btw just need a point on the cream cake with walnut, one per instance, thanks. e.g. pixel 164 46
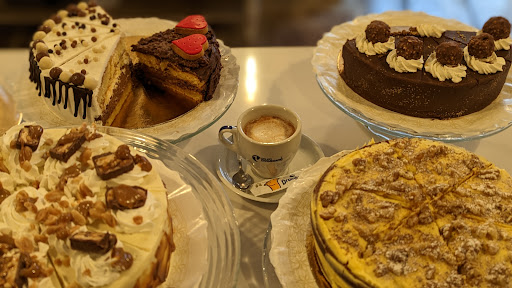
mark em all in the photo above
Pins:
pixel 412 213
pixel 80 209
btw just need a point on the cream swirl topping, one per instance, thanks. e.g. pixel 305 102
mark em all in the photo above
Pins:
pixel 502 44
pixel 443 72
pixel 489 65
pixel 430 30
pixel 20 223
pixel 41 283
pixel 7 181
pixel 53 168
pixel 369 48
pixel 30 174
pixel 136 177
pixel 151 210
pixel 402 65
pixel 101 271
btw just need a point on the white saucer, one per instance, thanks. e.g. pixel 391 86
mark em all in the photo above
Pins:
pixel 309 152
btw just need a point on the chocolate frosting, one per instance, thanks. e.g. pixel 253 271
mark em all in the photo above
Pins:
pixel 419 94
pixel 159 46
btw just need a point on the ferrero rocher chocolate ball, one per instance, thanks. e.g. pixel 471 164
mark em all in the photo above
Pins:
pixel 498 27
pixel 377 31
pixel 449 53
pixel 409 47
pixel 481 46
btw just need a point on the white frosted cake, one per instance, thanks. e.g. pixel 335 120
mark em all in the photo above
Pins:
pixel 80 209
pixel 76 54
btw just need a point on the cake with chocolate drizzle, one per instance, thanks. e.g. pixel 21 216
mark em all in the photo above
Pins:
pixel 81 62
pixel 427 71
pixel 411 213
pixel 79 208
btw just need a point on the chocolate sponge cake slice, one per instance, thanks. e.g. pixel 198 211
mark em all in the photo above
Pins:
pixel 157 65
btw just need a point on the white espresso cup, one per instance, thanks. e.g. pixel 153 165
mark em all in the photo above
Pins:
pixel 276 134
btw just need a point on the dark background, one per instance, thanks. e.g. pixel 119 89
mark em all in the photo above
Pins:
pixel 242 23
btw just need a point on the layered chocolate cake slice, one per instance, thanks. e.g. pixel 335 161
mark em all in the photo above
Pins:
pixel 183 62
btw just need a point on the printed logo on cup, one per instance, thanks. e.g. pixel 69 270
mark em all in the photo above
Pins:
pixel 257 158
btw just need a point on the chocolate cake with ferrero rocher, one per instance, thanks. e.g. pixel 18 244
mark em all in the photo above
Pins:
pixel 428 71
pixel 412 212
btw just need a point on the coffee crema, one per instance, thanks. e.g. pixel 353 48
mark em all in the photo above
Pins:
pixel 269 129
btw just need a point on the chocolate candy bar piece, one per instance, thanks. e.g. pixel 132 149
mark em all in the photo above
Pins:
pixel 93 242
pixel 125 197
pixel 29 268
pixel 143 162
pixel 29 136
pixel 67 146
pixel 109 166
pixel 122 260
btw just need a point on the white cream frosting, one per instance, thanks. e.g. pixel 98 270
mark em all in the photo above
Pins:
pixel 151 210
pixel 101 271
pixel 98 61
pixel 7 181
pixel 19 223
pixel 41 283
pixel 136 177
pixel 430 30
pixel 11 158
pixel 369 48
pixel 402 65
pixel 72 41
pixel 489 65
pixel 502 44
pixel 443 72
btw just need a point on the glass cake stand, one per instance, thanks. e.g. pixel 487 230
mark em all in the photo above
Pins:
pixel 388 124
pixel 201 117
pixel 223 251
pixel 270 278
pixel 9 116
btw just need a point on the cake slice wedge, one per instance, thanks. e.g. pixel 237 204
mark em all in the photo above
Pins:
pixel 158 65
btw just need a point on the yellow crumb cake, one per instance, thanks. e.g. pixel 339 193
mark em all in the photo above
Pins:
pixel 412 213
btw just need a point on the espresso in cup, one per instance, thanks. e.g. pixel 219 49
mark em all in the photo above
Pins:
pixel 269 129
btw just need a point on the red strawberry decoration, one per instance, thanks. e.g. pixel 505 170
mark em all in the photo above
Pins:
pixel 191 47
pixel 193 24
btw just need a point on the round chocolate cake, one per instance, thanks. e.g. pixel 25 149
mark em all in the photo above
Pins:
pixel 419 93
